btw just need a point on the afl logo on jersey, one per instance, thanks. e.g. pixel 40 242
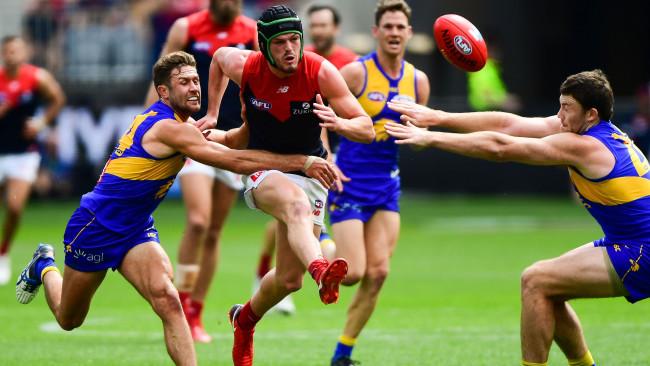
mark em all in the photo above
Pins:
pixel 403 98
pixel 260 104
pixel 376 96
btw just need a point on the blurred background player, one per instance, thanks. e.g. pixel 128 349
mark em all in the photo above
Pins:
pixel 324 23
pixel 23 88
pixel 365 215
pixel 208 192
pixel 284 112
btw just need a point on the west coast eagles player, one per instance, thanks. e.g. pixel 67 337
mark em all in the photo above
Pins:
pixel 364 216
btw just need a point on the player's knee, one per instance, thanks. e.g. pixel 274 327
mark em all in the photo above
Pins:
pixel 164 299
pixel 197 224
pixel 297 209
pixel 353 277
pixel 377 275
pixel 290 282
pixel 532 279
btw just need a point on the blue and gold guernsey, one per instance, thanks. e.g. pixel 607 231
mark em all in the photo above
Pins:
pixel 116 215
pixel 373 168
pixel 620 203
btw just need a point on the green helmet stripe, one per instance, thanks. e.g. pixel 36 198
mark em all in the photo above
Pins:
pixel 282 20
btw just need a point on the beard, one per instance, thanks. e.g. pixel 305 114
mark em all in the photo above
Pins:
pixel 180 105
pixel 224 12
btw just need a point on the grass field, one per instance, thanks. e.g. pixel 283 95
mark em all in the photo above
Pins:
pixel 452 297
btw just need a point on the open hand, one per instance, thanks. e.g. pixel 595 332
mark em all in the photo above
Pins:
pixel 205 123
pixel 329 119
pixel 417 114
pixel 408 134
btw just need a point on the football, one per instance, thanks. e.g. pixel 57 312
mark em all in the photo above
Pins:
pixel 460 42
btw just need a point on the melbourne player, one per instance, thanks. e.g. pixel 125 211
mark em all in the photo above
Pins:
pixel 201 34
pixel 113 227
pixel 324 21
pixel 611 177
pixel 22 87
pixel 281 90
pixel 365 215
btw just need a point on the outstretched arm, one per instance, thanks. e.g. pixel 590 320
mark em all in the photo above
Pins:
pixel 508 123
pixel 585 153
pixel 346 116
pixel 188 140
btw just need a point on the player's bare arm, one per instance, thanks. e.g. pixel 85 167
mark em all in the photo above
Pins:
pixel 170 136
pixel 176 41
pixel 503 122
pixel 423 87
pixel 52 92
pixel 227 63
pixel 346 116
pixel 585 153
pixel 236 138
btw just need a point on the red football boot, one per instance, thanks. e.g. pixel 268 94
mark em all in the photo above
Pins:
pixel 242 348
pixel 330 279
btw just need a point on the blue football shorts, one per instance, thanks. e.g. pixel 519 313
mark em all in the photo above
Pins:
pixel 91 247
pixel 358 202
pixel 631 262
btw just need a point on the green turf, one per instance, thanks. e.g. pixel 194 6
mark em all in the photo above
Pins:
pixel 452 297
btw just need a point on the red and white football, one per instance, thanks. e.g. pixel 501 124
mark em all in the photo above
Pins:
pixel 460 42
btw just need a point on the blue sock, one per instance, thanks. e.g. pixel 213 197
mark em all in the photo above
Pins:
pixel 41 264
pixel 344 347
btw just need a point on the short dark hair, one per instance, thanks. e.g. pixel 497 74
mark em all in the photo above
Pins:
pixel 318 7
pixel 384 6
pixel 9 38
pixel 592 90
pixel 165 64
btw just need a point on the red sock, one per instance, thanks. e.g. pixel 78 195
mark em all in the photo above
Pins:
pixel 196 308
pixel 4 248
pixel 264 266
pixel 317 267
pixel 247 318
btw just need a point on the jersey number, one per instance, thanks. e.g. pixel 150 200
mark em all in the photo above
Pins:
pixel 638 160
pixel 127 139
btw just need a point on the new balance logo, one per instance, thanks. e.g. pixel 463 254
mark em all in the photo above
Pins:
pixel 283 89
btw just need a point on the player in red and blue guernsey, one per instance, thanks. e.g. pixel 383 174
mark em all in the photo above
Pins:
pixel 201 34
pixel 113 227
pixel 609 173
pixel 284 112
pixel 23 88
pixel 323 28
